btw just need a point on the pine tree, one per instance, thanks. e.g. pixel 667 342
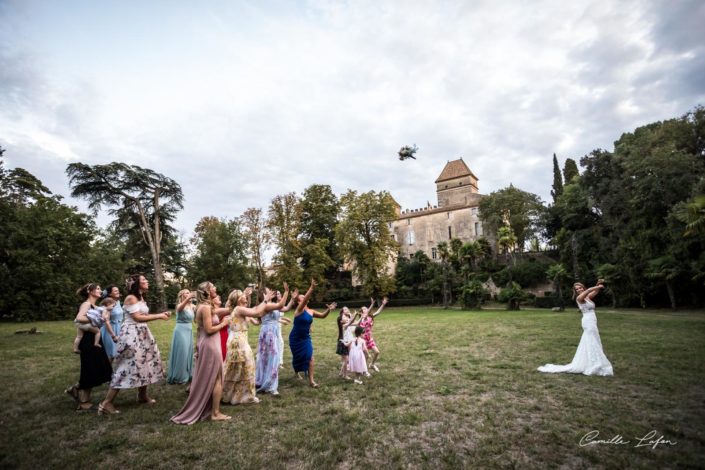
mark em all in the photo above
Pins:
pixel 570 170
pixel 557 180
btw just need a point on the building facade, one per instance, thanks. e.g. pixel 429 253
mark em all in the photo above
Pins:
pixel 456 214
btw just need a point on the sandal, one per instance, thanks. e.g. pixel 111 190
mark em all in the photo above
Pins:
pixel 72 391
pixel 147 401
pixel 102 409
pixel 81 409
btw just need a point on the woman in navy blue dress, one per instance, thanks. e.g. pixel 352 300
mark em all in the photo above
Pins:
pixel 300 336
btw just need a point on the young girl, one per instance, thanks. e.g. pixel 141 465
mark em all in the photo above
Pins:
pixel 98 317
pixel 346 327
pixel 357 361
pixel 367 322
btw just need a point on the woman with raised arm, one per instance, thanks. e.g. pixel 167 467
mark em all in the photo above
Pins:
pixel 300 336
pixel 269 351
pixel 206 389
pixel 239 367
pixel 367 321
pixel 181 352
pixel 589 359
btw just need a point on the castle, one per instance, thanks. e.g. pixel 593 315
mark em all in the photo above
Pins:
pixel 455 216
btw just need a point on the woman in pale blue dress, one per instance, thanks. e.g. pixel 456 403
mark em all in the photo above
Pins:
pixel 116 317
pixel 269 350
pixel 181 352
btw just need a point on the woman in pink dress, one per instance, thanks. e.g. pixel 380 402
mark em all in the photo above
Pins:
pixel 206 388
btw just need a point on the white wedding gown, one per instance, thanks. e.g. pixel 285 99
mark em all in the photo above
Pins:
pixel 589 358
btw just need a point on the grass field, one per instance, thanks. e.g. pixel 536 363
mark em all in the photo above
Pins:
pixel 456 389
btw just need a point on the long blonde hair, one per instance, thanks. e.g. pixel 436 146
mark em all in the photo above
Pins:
pixel 203 293
pixel 233 298
pixel 180 295
pixel 575 294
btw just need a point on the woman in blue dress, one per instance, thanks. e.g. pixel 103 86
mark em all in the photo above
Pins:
pixel 181 352
pixel 300 336
pixel 116 317
pixel 269 350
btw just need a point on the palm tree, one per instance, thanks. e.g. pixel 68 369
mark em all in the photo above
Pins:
pixel 506 240
pixel 667 269
pixel 444 255
pixel 693 215
pixel 558 274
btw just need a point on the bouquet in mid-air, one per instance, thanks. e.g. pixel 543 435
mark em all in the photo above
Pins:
pixel 407 152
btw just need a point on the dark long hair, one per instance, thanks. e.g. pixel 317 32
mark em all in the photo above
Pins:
pixel 133 286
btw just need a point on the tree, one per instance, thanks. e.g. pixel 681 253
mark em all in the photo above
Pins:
pixel 558 275
pixel 513 295
pixel 120 186
pixel 220 254
pixel 557 180
pixel 473 295
pixel 319 218
pixel 258 239
pixel 365 238
pixel 522 210
pixel 284 226
pixel 444 254
pixel 507 241
pixel 667 269
pixel 570 170
pixel 692 213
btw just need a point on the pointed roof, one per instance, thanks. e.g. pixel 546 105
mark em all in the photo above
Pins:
pixel 455 169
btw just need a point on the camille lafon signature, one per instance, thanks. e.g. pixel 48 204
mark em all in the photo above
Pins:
pixel 650 439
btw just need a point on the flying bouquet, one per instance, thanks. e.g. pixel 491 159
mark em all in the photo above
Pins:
pixel 407 152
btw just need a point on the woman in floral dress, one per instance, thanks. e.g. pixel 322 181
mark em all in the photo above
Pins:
pixel 138 363
pixel 239 367
pixel 269 350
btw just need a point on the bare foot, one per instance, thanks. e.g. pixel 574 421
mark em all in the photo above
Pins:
pixel 98 345
pixel 313 384
pixel 299 376
pixel 77 351
pixel 147 400
pixel 220 417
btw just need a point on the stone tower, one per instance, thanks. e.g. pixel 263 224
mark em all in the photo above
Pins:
pixel 456 185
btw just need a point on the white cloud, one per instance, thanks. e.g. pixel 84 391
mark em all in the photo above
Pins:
pixel 240 101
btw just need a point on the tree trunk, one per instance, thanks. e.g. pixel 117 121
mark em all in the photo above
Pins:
pixel 671 294
pixel 154 249
pixel 574 252
pixel 561 303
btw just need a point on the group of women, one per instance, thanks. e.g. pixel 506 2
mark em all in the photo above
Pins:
pixel 227 375
pixel 230 375
pixel 136 362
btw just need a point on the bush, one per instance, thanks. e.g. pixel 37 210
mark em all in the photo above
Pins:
pixel 473 295
pixel 513 296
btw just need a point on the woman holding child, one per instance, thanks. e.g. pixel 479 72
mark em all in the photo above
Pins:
pixel 95 365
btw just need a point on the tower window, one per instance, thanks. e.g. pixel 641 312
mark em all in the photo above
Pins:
pixel 449 234
pixel 434 253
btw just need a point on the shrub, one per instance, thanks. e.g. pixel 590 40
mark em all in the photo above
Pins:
pixel 473 295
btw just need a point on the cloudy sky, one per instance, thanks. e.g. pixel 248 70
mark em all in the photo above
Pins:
pixel 242 100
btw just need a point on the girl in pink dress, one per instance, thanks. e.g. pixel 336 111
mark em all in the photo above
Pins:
pixel 357 362
pixel 367 321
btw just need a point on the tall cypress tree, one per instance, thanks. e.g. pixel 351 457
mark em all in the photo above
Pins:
pixel 557 180
pixel 570 170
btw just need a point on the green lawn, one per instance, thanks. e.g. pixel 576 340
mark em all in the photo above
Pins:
pixel 456 389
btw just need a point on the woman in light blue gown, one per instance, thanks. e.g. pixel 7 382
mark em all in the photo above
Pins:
pixel 181 352
pixel 269 350
pixel 116 317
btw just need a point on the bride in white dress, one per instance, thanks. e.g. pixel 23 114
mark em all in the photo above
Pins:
pixel 589 358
